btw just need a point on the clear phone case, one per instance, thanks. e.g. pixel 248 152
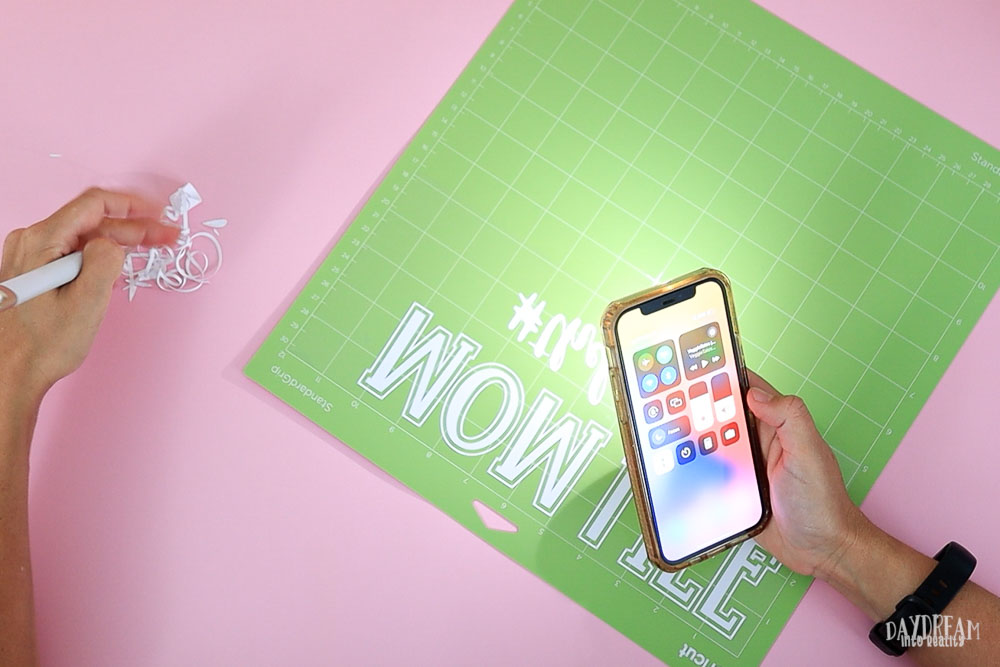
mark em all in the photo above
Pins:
pixel 636 472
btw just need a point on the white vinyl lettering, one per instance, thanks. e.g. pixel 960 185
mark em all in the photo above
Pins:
pixel 409 352
pixel 610 507
pixel 454 415
pixel 635 561
pixel 560 446
pixel 679 587
pixel 746 563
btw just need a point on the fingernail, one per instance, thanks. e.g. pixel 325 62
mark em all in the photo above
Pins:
pixel 760 395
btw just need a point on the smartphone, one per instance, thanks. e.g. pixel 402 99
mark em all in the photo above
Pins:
pixel 679 384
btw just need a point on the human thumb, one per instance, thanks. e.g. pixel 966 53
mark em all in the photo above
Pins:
pixel 787 414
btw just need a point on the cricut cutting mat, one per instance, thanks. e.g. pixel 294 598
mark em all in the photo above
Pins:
pixel 593 149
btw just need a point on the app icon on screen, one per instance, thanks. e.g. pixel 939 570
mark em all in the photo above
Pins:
pixel 653 412
pixel 730 433
pixel 707 444
pixel 685 452
pixel 664 354
pixel 701 350
pixel 676 402
pixel 645 363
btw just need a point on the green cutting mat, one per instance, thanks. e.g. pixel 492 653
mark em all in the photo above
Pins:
pixel 592 149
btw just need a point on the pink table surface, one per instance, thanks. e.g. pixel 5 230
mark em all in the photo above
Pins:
pixel 179 514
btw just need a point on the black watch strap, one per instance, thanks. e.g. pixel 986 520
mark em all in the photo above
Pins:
pixel 955 566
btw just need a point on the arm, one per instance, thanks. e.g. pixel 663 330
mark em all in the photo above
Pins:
pixel 864 576
pixel 40 342
pixel 17 421
pixel 817 530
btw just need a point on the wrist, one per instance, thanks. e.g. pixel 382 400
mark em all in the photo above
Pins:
pixel 21 391
pixel 855 539
pixel 874 570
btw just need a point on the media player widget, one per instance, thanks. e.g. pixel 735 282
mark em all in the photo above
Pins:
pixel 701 351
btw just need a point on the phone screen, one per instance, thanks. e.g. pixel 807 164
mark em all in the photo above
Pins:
pixel 683 387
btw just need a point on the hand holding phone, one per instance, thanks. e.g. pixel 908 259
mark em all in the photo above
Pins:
pixel 814 521
pixel 679 382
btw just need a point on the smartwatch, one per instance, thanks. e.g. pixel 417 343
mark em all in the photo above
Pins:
pixel 955 566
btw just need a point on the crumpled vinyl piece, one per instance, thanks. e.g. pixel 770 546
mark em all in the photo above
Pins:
pixel 184 266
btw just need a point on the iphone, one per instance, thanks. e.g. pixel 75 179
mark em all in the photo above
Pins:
pixel 679 384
